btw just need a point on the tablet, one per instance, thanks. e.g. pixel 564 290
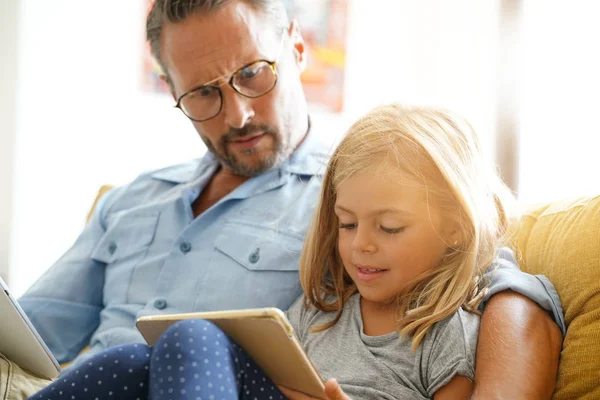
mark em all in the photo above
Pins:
pixel 20 342
pixel 264 333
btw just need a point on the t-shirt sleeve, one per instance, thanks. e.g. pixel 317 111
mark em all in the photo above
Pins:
pixel 449 350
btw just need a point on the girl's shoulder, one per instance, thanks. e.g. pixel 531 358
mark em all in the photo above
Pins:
pixel 459 331
pixel 462 318
pixel 302 315
pixel 460 323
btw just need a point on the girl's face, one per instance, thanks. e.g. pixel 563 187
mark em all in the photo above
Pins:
pixel 388 234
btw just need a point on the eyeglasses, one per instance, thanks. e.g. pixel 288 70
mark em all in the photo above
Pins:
pixel 252 80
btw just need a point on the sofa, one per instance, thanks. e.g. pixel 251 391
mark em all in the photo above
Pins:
pixel 561 240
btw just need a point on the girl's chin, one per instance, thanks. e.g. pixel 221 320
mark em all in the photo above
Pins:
pixel 377 299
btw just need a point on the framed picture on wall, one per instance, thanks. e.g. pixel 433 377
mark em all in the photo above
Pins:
pixel 323 24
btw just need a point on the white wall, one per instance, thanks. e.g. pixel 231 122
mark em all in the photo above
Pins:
pixel 82 121
pixel 560 133
pixel 9 11
pixel 432 52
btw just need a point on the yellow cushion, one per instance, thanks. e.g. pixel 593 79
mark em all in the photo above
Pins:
pixel 562 241
pixel 101 192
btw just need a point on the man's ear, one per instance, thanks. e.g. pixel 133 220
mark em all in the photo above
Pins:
pixel 298 43
pixel 164 78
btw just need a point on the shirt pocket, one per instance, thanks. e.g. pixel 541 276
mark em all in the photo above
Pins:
pixel 257 247
pixel 257 264
pixel 123 246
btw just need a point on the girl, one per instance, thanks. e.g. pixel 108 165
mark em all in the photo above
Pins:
pixel 410 216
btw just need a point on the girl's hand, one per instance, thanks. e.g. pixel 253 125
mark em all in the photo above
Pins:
pixel 333 391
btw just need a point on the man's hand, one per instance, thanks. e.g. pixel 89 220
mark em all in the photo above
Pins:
pixel 518 350
pixel 333 391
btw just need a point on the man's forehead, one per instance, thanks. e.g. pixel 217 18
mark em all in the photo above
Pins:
pixel 205 47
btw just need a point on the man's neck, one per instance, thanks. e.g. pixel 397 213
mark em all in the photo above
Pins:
pixel 223 182
pixel 306 132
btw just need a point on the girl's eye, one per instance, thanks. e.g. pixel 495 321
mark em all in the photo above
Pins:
pixel 347 226
pixel 391 231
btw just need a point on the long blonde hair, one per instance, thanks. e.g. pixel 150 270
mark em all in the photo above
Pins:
pixel 441 152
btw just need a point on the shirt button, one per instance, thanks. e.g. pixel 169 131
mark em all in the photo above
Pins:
pixel 112 247
pixel 254 257
pixel 160 304
pixel 185 247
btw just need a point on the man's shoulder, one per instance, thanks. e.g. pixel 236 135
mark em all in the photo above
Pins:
pixel 152 185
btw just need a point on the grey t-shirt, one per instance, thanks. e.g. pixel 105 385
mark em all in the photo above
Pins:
pixel 385 367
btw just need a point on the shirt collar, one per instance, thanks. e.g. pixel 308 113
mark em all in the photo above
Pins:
pixel 310 158
pixel 183 173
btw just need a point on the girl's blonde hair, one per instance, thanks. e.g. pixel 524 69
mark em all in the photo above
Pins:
pixel 439 151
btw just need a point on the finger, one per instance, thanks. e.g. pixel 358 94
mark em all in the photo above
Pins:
pixel 334 390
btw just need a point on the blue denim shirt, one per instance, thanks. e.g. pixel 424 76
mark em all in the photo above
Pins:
pixel 144 253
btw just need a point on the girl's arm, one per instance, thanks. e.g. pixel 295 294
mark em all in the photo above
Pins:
pixel 458 388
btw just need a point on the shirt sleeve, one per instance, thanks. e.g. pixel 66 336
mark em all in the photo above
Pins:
pixel 449 350
pixel 64 304
pixel 505 274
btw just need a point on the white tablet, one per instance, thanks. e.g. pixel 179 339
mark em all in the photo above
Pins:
pixel 20 342
pixel 264 333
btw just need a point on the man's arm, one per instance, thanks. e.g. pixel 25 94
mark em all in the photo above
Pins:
pixel 518 350
pixel 64 305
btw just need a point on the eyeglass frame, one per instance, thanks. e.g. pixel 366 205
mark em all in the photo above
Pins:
pixel 272 65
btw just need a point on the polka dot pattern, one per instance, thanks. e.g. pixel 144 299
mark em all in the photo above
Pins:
pixel 193 359
pixel 116 373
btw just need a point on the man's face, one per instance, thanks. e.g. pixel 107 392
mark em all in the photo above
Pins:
pixel 249 135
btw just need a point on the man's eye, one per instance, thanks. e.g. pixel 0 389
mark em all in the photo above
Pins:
pixel 249 72
pixel 205 91
pixel 347 226
pixel 201 92
pixel 391 231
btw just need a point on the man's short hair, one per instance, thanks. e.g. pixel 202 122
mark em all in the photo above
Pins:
pixel 173 11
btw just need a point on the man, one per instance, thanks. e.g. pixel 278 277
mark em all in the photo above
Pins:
pixel 225 231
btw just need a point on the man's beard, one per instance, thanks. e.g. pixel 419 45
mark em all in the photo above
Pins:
pixel 281 150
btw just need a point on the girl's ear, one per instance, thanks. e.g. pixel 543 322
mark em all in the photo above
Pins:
pixel 453 237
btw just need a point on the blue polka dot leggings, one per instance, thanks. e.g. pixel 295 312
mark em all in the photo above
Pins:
pixel 193 359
